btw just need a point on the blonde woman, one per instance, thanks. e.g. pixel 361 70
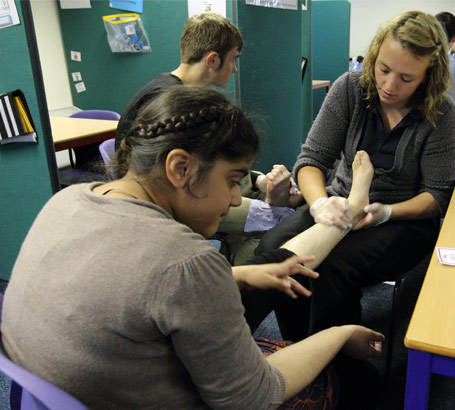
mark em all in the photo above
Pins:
pixel 398 111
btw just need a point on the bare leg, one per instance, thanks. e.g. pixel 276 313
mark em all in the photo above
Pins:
pixel 280 188
pixel 320 239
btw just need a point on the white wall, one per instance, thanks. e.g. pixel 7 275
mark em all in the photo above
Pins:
pixel 53 63
pixel 368 15
pixel 50 46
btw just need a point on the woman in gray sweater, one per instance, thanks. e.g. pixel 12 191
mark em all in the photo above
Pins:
pixel 396 109
pixel 118 298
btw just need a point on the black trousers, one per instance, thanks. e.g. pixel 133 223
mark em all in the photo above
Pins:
pixel 292 318
pixel 359 382
pixel 362 258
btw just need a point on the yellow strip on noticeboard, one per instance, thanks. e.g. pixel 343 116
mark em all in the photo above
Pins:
pixel 132 17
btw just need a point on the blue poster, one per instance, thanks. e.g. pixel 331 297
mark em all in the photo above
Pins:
pixel 129 5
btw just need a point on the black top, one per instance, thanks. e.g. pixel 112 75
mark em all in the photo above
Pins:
pixel 147 93
pixel 381 147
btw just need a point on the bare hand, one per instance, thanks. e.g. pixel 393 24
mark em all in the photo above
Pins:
pixel 275 276
pixel 363 343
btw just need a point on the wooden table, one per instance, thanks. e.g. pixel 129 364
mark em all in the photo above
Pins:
pixel 70 132
pixel 431 332
pixel 320 84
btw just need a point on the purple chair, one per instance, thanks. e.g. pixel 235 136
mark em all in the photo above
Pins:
pixel 107 150
pixel 97 115
pixel 30 392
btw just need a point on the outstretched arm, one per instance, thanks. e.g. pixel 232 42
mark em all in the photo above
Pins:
pixel 301 362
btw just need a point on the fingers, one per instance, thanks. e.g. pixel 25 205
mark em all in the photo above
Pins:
pixel 375 343
pixel 375 350
pixel 363 343
pixel 332 211
pixel 365 222
pixel 377 337
pixel 293 188
pixel 377 214
pixel 290 287
pixel 295 265
pixel 298 288
pixel 276 276
pixel 343 222
pixel 278 174
pixel 377 346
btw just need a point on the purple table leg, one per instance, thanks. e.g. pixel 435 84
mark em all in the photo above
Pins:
pixel 418 380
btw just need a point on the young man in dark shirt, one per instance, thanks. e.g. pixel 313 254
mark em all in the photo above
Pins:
pixel 209 47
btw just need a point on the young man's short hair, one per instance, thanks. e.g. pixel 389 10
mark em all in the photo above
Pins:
pixel 208 32
pixel 447 21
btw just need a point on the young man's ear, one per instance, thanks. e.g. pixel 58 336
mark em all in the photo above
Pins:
pixel 180 165
pixel 212 60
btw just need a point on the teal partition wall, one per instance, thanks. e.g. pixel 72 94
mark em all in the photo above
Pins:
pixel 28 171
pixel 111 79
pixel 307 52
pixel 270 79
pixel 330 31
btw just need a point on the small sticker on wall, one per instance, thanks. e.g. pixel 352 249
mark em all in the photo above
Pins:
pixel 76 76
pixel 80 87
pixel 76 56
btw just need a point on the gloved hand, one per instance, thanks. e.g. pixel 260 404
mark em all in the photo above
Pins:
pixel 376 214
pixel 332 211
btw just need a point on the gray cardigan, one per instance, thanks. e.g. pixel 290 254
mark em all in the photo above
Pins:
pixel 424 160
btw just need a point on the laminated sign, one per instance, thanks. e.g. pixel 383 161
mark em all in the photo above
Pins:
pixel 126 34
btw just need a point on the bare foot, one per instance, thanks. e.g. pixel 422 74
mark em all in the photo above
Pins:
pixel 362 175
pixel 281 189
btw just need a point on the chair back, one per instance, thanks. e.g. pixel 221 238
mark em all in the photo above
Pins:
pixel 107 150
pixel 97 115
pixel 30 392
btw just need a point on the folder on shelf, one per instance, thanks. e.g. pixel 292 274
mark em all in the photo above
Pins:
pixel 6 124
pixel 16 123
pixel 12 115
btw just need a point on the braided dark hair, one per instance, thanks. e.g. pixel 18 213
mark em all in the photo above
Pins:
pixel 197 119
pixel 181 123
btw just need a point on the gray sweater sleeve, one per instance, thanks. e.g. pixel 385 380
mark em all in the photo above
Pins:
pixel 327 135
pixel 437 163
pixel 204 318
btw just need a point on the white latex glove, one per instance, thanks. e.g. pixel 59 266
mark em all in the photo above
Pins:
pixel 376 214
pixel 332 211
